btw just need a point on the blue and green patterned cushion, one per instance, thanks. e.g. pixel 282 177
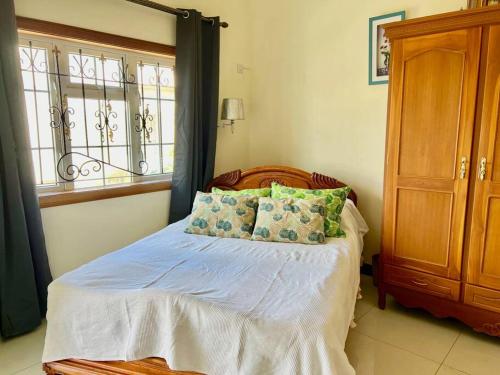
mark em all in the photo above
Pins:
pixel 264 192
pixel 291 220
pixel 335 200
pixel 223 215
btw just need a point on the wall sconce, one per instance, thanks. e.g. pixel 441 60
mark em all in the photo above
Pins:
pixel 232 109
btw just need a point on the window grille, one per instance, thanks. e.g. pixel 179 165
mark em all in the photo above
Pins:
pixel 97 116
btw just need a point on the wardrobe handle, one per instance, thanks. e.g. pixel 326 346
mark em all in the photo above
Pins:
pixel 463 167
pixel 482 169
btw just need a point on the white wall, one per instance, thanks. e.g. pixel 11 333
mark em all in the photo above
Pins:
pixel 312 106
pixel 78 233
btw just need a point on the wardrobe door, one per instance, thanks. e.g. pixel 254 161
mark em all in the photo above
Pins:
pixel 430 127
pixel 484 246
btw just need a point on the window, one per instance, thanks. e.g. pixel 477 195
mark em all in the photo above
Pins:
pixel 97 116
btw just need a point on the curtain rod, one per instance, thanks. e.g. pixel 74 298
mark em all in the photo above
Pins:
pixel 176 11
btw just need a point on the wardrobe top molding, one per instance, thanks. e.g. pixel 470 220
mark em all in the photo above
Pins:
pixel 443 22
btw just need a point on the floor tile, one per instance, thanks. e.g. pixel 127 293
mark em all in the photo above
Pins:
pixel 21 352
pixel 362 308
pixel 476 354
pixel 412 330
pixel 32 370
pixel 371 357
pixel 445 370
pixel 369 290
pixel 369 300
pixel 367 281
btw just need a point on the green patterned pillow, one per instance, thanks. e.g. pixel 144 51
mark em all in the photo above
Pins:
pixel 223 215
pixel 291 220
pixel 335 200
pixel 264 192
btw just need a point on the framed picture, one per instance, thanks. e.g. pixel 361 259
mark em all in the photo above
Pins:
pixel 380 50
pixel 482 3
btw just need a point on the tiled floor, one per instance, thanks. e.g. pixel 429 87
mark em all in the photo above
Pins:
pixel 401 341
pixel 390 342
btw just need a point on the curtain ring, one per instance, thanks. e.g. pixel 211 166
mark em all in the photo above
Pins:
pixel 186 14
pixel 213 22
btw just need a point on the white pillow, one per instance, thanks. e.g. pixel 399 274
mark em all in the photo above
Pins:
pixel 352 221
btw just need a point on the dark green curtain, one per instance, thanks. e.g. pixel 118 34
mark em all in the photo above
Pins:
pixel 196 108
pixel 24 269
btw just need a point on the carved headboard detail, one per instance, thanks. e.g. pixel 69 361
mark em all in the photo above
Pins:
pixel 263 177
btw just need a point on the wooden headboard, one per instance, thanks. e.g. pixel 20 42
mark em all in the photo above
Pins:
pixel 263 177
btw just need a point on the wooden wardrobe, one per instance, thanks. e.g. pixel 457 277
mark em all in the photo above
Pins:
pixel 441 225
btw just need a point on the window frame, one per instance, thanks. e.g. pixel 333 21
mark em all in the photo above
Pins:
pixel 45 32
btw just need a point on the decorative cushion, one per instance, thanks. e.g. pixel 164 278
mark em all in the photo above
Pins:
pixel 223 215
pixel 264 192
pixel 335 200
pixel 290 220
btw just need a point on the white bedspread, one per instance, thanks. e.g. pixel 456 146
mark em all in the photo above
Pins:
pixel 212 305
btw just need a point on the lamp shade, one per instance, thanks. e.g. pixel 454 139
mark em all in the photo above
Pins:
pixel 232 109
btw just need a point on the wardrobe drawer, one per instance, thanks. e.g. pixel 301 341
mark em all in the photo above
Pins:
pixel 422 282
pixel 484 298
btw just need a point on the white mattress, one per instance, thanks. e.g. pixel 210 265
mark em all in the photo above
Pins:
pixel 213 305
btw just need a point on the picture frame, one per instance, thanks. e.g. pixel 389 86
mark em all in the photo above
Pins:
pixel 481 3
pixel 379 47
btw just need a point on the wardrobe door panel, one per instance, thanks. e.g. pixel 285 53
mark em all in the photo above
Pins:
pixel 416 235
pixel 433 93
pixel 484 246
pixel 431 113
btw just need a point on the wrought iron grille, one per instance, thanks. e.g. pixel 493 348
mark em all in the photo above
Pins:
pixel 97 117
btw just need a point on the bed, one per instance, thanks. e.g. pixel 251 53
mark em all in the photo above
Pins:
pixel 211 305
